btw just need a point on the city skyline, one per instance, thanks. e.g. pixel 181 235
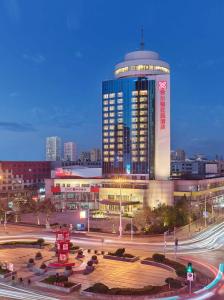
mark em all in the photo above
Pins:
pixel 44 80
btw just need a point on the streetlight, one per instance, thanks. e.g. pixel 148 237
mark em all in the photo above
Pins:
pixel 120 180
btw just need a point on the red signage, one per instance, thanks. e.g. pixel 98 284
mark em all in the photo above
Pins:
pixel 162 90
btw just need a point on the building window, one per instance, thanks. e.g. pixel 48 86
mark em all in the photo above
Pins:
pixel 134 139
pixel 120 107
pixel 143 92
pixel 120 94
pixel 120 152
pixel 105 102
pixel 134 132
pixel 120 126
pixel 105 115
pixel 111 146
pixel 143 119
pixel 134 120
pixel 105 133
pixel 134 159
pixel 120 120
pixel 105 146
pixel 143 139
pixel 112 95
pixel 112 127
pixel 134 93
pixel 111 133
pixel 134 126
pixel 134 100
pixel 134 106
pixel 106 159
pixel 134 112
pixel 112 101
pixel 143 99
pixel 143 112
pixel 105 127
pixel 112 121
pixel 142 152
pixel 142 159
pixel 120 114
pixel 112 140
pixel 105 153
pixel 111 153
pixel 143 132
pixel 120 146
pixel 111 159
pixel 111 108
pixel 142 146
pixel 120 140
pixel 105 96
pixel 120 100
pixel 134 152
pixel 143 106
pixel 105 121
pixel 120 133
pixel 143 125
pixel 105 140
pixel 112 114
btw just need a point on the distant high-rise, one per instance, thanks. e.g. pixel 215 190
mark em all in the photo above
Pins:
pixel 179 154
pixel 85 156
pixel 136 117
pixel 70 151
pixel 53 148
pixel 95 155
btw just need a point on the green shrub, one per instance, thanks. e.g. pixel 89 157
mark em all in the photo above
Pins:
pixel 38 255
pixel 119 252
pixel 98 288
pixel 158 257
pixel 127 255
pixel 94 257
pixel 40 242
pixel 43 266
pixel 128 227
pixel 173 283
pixel 31 261
pixel 90 263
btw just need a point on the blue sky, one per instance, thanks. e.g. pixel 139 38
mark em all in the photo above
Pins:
pixel 54 55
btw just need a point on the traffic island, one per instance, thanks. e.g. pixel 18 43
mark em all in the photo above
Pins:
pixel 120 255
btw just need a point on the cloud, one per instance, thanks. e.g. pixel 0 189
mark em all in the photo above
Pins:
pixel 36 58
pixel 14 94
pixel 13 10
pixel 78 54
pixel 17 127
pixel 58 117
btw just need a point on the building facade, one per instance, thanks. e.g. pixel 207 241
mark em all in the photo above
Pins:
pixel 70 151
pixel 136 118
pixel 53 148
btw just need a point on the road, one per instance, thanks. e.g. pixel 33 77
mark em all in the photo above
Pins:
pixel 204 248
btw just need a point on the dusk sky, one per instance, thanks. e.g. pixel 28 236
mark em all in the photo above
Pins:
pixel 54 55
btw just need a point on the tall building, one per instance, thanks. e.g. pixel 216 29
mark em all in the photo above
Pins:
pixel 70 151
pixel 179 154
pixel 85 156
pixel 95 155
pixel 53 148
pixel 136 117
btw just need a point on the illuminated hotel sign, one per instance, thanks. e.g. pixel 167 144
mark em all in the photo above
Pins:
pixel 162 90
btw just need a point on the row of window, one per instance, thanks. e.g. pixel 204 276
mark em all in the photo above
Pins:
pixel 112 95
pixel 112 114
pixel 112 133
pixel 112 108
pixel 112 101
pixel 139 99
pixel 112 121
pixel 134 159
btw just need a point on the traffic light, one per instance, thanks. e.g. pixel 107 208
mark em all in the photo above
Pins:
pixel 189 268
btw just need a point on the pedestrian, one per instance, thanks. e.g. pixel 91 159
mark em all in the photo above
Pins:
pixel 29 281
pixel 20 280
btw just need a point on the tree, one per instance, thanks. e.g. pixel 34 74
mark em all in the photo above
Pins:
pixel 47 207
pixel 143 218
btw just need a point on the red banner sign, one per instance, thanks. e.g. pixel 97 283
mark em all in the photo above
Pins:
pixel 162 90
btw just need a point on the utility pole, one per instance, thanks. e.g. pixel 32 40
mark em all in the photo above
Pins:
pixel 205 213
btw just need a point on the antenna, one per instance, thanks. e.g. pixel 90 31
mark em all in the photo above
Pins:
pixel 142 44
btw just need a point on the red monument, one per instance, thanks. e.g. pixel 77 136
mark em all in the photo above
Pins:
pixel 62 245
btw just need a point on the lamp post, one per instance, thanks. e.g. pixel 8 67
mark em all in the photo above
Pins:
pixel 119 180
pixel 205 212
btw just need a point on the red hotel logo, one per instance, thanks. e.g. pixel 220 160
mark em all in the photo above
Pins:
pixel 162 90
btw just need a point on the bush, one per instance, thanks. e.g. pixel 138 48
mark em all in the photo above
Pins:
pixel 89 250
pixel 99 288
pixel 40 242
pixel 119 252
pixel 38 255
pixel 95 251
pixel 43 266
pixel 127 255
pixel 94 257
pixel 158 257
pixel 31 261
pixel 102 252
pixel 80 252
pixel 128 227
pixel 95 229
pixel 71 245
pixel 90 263
pixel 173 283
pixel 57 278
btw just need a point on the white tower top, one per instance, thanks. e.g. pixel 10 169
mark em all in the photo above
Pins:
pixel 141 63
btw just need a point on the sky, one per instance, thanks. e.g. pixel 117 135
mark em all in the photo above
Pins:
pixel 54 55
